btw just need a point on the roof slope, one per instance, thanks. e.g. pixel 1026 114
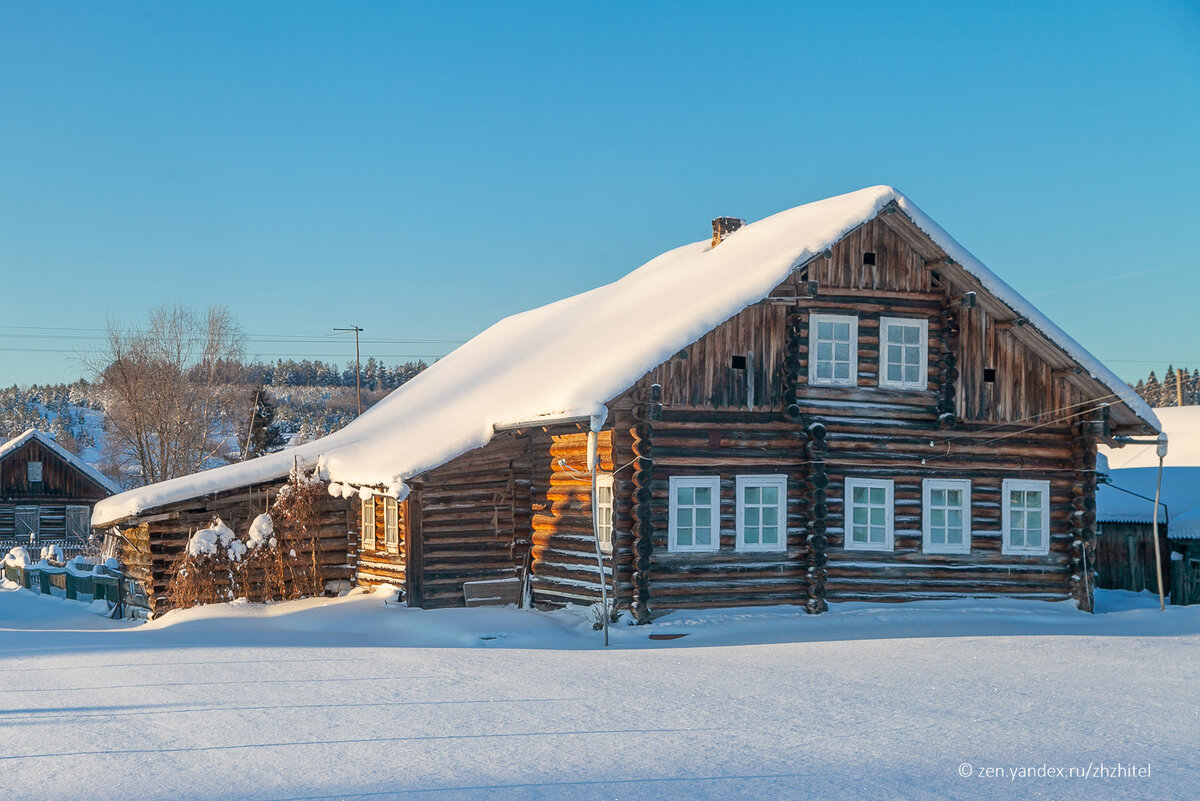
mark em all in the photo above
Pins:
pixel 499 377
pixel 47 440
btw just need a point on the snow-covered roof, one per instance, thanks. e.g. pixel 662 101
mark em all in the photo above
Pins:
pixel 1134 469
pixel 500 377
pixel 75 461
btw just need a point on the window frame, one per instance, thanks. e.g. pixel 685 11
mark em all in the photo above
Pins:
pixel 367 531
pixel 605 510
pixel 814 320
pixel 777 480
pixel 676 482
pixel 391 524
pixel 889 500
pixel 927 487
pixel 30 468
pixel 923 368
pixel 1024 485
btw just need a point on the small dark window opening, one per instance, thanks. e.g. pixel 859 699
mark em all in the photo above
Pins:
pixel 989 375
pixel 738 362
pixel 869 259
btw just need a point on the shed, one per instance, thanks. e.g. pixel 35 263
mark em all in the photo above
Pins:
pixel 46 494
pixel 1125 504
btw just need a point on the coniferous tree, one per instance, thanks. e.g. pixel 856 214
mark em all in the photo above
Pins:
pixel 265 436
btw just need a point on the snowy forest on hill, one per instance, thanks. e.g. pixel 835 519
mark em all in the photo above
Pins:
pixel 290 400
pixel 1177 388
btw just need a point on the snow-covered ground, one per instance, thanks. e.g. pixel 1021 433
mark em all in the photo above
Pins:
pixel 354 698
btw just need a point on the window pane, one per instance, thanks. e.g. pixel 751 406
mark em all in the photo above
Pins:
pixel 770 516
pixel 841 352
pixel 841 370
pixel 1016 498
pixel 877 534
pixel 953 497
pixel 859 534
pixel 751 515
pixel 703 495
pixel 911 374
pixel 841 332
pixel 824 370
pixel 912 335
pixel 751 535
pixel 1033 521
pixel 686 496
pixel 1033 499
pixel 877 496
pixel 703 535
pixel 824 351
pixel 683 536
pixel 703 516
pixel 1017 520
pixel 770 535
pixel 895 354
pixel 685 518
pixel 1033 539
pixel 1018 538
pixel 954 518
pixel 937 518
pixel 877 518
pixel 753 494
pixel 860 494
pixel 860 515
pixel 824 330
pixel 893 372
pixel 954 536
pixel 770 494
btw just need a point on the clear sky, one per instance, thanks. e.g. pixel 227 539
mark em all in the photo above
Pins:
pixel 424 169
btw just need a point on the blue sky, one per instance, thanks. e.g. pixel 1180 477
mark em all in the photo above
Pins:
pixel 422 170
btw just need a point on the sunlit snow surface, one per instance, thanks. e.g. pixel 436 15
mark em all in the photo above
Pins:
pixel 355 698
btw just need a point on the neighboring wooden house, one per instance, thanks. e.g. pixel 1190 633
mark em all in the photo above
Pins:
pixel 1124 511
pixel 46 494
pixel 837 402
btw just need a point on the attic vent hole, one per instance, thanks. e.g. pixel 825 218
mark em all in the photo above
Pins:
pixel 738 362
pixel 989 375
pixel 869 259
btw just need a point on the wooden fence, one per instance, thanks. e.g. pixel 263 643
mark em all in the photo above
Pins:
pixel 81 581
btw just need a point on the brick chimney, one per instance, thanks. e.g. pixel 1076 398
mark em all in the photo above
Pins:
pixel 723 227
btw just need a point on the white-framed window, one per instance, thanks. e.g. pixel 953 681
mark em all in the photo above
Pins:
pixel 695 514
pixel 604 510
pixel 79 521
pixel 28 522
pixel 1026 517
pixel 946 515
pixel 903 352
pixel 33 472
pixel 391 525
pixel 832 349
pixel 869 516
pixel 762 513
pixel 368 524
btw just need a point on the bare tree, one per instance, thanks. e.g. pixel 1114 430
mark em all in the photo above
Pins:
pixel 170 393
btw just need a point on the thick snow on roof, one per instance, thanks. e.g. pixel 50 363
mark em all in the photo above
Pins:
pixel 75 461
pixel 569 358
pixel 1134 469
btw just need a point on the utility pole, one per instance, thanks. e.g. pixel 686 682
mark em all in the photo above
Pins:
pixel 357 366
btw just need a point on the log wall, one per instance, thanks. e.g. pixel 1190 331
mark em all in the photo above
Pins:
pixel 474 516
pixel 156 539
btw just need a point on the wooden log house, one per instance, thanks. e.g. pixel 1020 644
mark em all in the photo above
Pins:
pixel 46 494
pixel 836 403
